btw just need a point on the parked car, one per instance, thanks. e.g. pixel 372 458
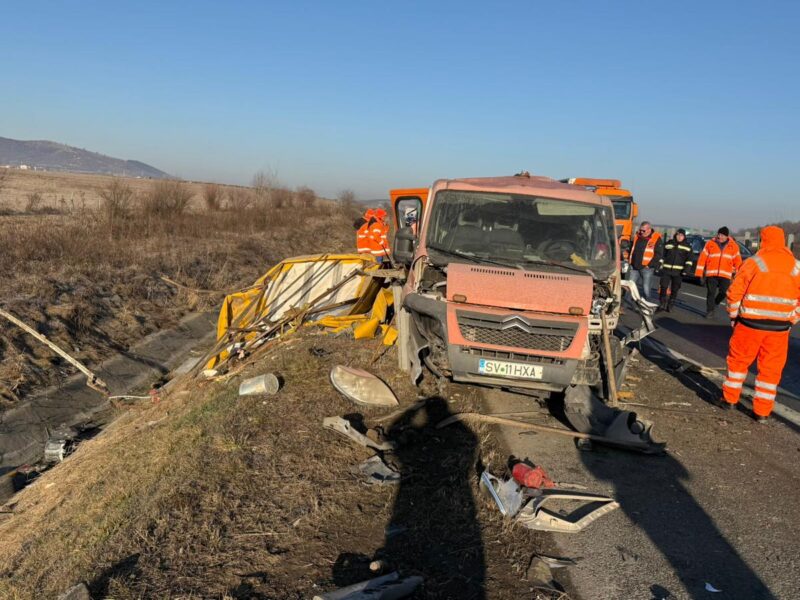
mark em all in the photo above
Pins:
pixel 697 243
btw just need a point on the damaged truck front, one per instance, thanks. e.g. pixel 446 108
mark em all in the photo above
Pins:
pixel 514 282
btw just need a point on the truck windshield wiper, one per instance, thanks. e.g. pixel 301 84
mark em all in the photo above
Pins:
pixel 550 263
pixel 475 259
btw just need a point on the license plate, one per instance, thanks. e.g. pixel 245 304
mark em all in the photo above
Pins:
pixel 500 368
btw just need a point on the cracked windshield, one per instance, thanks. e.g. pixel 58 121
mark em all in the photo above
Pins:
pixel 522 230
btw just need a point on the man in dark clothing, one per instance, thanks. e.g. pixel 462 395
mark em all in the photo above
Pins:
pixel 646 253
pixel 676 263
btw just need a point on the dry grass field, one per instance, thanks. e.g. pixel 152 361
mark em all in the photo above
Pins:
pixel 84 258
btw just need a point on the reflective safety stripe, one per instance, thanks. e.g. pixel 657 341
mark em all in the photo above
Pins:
pixel 770 299
pixel 766 386
pixel 685 248
pixel 733 384
pixel 762 266
pixel 715 255
pixel 757 312
pixel 796 270
pixel 765 395
pixel 734 304
pixel 736 375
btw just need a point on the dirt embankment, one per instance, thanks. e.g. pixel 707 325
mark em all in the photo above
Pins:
pixel 213 495
pixel 88 275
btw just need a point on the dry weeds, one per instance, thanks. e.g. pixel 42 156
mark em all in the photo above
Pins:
pixel 90 278
pixel 208 495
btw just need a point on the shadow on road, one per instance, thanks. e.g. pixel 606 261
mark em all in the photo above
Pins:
pixel 434 530
pixel 653 493
pixel 710 336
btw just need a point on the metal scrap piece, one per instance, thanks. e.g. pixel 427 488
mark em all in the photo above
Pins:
pixel 535 516
pixel 345 428
pixel 377 472
pixel 385 587
pixel 506 494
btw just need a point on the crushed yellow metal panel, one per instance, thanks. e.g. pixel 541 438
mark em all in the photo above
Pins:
pixel 333 291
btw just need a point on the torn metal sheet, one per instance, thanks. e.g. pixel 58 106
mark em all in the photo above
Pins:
pixel 362 387
pixel 535 515
pixel 345 428
pixel 377 472
pixel 385 587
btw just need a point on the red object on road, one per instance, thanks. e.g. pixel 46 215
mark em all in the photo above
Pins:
pixel 532 477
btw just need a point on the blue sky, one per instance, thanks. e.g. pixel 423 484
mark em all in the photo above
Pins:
pixel 694 105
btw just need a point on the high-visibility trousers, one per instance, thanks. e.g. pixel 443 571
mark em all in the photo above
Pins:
pixel 770 348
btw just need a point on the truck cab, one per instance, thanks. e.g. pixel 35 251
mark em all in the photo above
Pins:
pixel 511 282
pixel 507 277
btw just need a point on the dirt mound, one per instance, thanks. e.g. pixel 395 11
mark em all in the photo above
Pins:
pixel 208 494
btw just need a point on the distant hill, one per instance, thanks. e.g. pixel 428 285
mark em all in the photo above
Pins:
pixel 51 156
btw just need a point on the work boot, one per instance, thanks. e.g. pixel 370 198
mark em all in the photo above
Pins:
pixel 723 404
pixel 670 304
pixel 760 419
pixel 710 314
pixel 662 306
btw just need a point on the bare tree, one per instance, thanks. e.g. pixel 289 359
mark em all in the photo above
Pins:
pixel 240 199
pixel 347 196
pixel 306 197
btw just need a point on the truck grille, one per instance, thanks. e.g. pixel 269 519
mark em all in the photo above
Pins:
pixel 515 331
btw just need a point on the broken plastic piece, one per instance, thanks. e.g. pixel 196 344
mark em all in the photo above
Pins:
pixel 377 472
pixel 506 494
pixel 535 516
pixel 711 588
pixel 344 427
pixel 386 587
pixel 621 428
pixel 267 383
pixel 362 387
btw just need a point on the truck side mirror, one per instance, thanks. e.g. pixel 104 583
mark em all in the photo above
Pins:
pixel 404 242
pixel 635 211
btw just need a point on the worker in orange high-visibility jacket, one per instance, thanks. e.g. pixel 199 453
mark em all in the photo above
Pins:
pixel 363 235
pixel 763 304
pixel 379 236
pixel 717 263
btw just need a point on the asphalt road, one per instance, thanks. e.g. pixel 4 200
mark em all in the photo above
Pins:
pixel 685 330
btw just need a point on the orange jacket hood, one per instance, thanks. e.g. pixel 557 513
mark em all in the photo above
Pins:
pixel 773 238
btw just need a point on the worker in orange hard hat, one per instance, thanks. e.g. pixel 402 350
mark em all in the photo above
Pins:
pixel 763 304
pixel 717 263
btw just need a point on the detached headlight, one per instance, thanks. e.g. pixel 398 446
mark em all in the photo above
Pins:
pixel 362 387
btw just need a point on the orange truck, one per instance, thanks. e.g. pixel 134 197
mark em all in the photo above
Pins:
pixel 515 283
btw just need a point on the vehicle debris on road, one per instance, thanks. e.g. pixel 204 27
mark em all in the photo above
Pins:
pixel 526 505
pixel 386 587
pixel 344 427
pixel 375 471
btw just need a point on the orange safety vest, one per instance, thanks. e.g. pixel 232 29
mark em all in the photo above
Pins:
pixel 649 250
pixel 767 286
pixel 363 240
pixel 379 239
pixel 718 262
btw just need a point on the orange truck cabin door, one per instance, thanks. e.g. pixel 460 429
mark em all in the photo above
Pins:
pixel 408 206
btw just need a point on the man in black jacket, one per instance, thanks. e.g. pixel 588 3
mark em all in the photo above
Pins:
pixel 676 262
